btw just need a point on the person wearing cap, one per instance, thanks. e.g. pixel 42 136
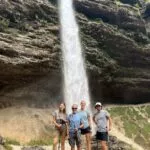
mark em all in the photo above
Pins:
pixel 86 117
pixel 75 124
pixel 103 122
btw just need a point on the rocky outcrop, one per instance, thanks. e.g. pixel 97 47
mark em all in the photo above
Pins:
pixel 115 39
pixel 124 16
pixel 113 144
pixel 29 51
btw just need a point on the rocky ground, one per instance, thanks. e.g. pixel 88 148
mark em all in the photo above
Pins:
pixel 24 127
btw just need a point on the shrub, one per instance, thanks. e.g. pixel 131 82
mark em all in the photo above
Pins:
pixel 40 142
pixel 12 141
pixel 4 23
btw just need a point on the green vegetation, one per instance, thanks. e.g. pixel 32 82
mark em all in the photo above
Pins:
pixel 147 110
pixel 137 5
pixel 135 120
pixel 7 147
pixel 4 23
pixel 118 3
pixel 40 142
pixel 147 1
pixel 44 141
pixel 11 141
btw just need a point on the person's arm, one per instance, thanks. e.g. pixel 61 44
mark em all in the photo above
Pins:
pixel 94 119
pixel 67 128
pixel 81 125
pixel 89 119
pixel 109 124
pixel 55 123
pixel 67 125
pixel 109 121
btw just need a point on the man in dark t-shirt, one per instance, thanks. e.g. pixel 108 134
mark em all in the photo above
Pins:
pixel 103 122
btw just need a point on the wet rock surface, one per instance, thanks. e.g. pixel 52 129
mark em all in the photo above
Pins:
pixel 116 44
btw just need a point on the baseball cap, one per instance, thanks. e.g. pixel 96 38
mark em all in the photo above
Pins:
pixel 98 104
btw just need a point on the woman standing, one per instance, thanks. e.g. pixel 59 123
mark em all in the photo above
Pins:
pixel 60 122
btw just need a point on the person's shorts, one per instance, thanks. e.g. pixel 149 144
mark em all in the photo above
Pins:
pixel 86 130
pixel 61 133
pixel 75 139
pixel 102 136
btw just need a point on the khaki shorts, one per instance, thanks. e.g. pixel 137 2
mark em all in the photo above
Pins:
pixel 61 133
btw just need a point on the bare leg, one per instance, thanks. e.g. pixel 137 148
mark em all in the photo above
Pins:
pixel 63 143
pixel 88 141
pixel 79 147
pixel 55 142
pixel 72 148
pixel 104 145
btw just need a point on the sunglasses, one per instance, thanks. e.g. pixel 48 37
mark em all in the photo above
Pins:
pixel 74 108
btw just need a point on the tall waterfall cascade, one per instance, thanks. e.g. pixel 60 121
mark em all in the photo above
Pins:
pixel 75 78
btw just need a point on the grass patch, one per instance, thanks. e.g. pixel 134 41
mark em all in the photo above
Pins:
pixel 131 128
pixel 8 147
pixel 147 110
pixel 12 141
pixel 147 1
pixel 117 111
pixel 40 142
pixel 4 23
pixel 135 122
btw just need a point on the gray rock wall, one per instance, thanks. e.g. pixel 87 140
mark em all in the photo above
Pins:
pixel 116 46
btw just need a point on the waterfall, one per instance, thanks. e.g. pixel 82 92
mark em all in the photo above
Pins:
pixel 75 79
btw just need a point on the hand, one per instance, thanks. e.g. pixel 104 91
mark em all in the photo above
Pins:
pixel 59 126
pixel 108 129
pixel 67 137
pixel 76 129
pixel 64 121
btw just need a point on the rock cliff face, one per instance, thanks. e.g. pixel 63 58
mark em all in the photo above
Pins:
pixel 115 38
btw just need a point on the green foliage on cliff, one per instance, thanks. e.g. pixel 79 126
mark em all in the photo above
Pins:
pixel 135 122
pixel 4 23
pixel 8 147
pixel 147 0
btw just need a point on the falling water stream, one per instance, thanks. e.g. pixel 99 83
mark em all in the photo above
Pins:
pixel 75 79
